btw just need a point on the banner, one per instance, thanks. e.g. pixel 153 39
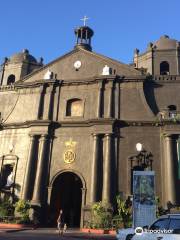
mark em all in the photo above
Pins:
pixel 144 206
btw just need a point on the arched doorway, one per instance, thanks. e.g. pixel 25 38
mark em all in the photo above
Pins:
pixel 67 195
pixel 11 79
pixel 164 68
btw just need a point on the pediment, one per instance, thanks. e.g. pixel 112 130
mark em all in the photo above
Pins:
pixel 81 64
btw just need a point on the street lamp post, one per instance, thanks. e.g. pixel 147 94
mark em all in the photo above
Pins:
pixel 143 159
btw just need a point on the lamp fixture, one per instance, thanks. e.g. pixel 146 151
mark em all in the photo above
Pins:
pixel 139 147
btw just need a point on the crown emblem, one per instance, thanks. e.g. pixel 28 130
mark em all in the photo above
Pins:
pixel 70 143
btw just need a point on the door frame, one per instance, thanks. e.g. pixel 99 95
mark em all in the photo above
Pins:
pixel 83 189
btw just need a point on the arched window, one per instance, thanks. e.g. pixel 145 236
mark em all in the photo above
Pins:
pixel 164 68
pixel 74 107
pixel 11 79
pixel 172 108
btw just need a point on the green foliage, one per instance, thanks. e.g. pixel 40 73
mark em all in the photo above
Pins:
pixel 159 209
pixel 117 222
pixel 22 208
pixel 6 208
pixel 101 216
pixel 124 211
pixel 176 118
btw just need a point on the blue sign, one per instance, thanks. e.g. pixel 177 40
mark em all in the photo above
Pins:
pixel 144 206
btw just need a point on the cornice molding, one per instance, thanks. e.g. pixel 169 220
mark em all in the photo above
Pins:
pixel 84 81
pixel 68 123
pixel 26 124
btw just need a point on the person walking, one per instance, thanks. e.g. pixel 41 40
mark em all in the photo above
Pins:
pixel 60 223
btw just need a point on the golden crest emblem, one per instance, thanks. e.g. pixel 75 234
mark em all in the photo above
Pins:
pixel 69 154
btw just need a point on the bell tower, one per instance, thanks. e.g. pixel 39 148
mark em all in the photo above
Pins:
pixel 18 66
pixel 83 36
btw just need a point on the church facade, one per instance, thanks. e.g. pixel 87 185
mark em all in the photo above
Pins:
pixel 69 129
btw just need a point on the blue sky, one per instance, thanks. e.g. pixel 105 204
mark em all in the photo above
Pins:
pixel 46 27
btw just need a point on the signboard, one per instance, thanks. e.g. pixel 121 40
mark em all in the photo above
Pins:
pixel 144 207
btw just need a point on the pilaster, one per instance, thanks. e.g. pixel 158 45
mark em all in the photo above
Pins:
pixel 110 106
pixel 99 100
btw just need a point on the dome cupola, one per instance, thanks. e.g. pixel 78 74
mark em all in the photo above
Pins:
pixel 83 36
pixel 165 43
pixel 23 56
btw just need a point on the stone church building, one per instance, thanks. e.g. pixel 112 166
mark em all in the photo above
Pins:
pixel 69 129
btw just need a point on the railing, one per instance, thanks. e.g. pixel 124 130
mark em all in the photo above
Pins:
pixel 166 77
pixel 7 87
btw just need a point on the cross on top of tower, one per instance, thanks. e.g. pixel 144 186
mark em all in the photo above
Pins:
pixel 84 19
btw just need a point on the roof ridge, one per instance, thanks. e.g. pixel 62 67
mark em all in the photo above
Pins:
pixel 111 60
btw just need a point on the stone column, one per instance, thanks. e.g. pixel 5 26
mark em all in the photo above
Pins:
pixel 49 195
pixel 99 101
pixel 93 189
pixel 40 173
pixel 56 100
pixel 106 194
pixel 29 169
pixel 110 100
pixel 169 178
pixel 177 59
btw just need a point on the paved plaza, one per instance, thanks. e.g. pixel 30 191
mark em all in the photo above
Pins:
pixel 50 234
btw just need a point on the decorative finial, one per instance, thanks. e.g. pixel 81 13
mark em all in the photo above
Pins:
pixel 84 19
pixel 26 51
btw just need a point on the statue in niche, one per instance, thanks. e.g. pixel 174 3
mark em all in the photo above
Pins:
pixel 5 192
pixel 10 180
pixel 106 70
pixel 48 75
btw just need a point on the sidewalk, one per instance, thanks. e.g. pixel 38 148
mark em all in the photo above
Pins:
pixel 71 233
pixel 6 230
